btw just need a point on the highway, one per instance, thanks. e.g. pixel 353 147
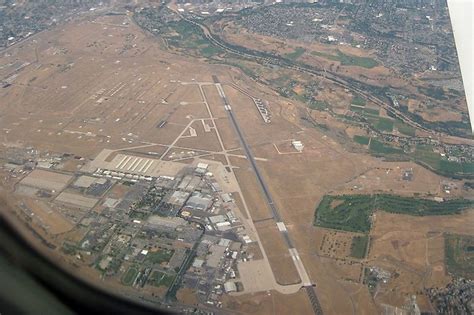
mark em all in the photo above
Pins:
pixel 354 86
pixel 276 215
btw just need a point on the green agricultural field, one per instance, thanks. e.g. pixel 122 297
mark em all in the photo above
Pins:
pixel 365 111
pixel 359 246
pixel 318 105
pixel 459 255
pixel 210 50
pixel 363 140
pixel 352 212
pixel 358 100
pixel 299 51
pixel 405 129
pixel 349 60
pixel 378 147
pixel 129 276
pixel 384 124
pixel 159 257
pixel 425 155
pixel 159 279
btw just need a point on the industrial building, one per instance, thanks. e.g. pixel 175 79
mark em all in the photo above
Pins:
pixel 199 201
pixel 298 145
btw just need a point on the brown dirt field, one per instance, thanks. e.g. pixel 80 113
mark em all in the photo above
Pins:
pixel 439 276
pixel 228 134
pixel 387 177
pixel 184 113
pixel 413 247
pixel 299 185
pixel 270 302
pixel 216 157
pixel 46 216
pixel 323 272
pixel 362 301
pixel 238 201
pixel 157 150
pixel 277 251
pixel 250 189
pixel 187 296
pixel 73 97
pixel 404 237
pixel 251 123
pixel 401 286
pixel 346 269
pixel 118 191
pixel 72 165
pixel 185 93
pixel 75 235
pixel 203 141
pixel 254 249
pixel 334 243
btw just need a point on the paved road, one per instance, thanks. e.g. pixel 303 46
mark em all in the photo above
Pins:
pixel 346 82
pixel 276 215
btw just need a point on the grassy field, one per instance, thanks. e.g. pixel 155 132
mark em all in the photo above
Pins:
pixel 129 276
pixel 384 124
pixel 405 129
pixel 299 51
pixel 378 147
pixel 358 100
pixel 352 212
pixel 359 246
pixel 426 155
pixel 345 212
pixel 420 207
pixel 361 140
pixel 318 105
pixel 349 60
pixel 190 37
pixel 459 255
pixel 159 279
pixel 161 256
pixel 365 111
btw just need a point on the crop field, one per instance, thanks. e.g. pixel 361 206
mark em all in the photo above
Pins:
pixel 369 112
pixel 361 139
pixel 459 255
pixel 358 100
pixel 378 147
pixel 384 124
pixel 359 246
pixel 348 60
pixel 296 54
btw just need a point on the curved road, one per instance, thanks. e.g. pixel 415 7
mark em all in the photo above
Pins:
pixel 336 79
